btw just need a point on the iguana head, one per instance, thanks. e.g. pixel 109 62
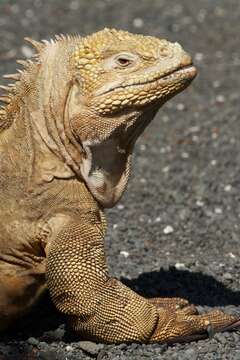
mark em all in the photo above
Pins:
pixel 91 98
pixel 121 80
pixel 120 71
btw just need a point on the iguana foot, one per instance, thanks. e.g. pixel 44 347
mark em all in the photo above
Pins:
pixel 182 327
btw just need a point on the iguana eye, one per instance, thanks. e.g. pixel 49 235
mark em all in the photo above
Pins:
pixel 123 61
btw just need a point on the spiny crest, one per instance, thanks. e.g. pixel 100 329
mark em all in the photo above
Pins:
pixel 12 93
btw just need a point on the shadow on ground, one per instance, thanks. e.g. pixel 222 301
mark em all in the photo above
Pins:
pixel 196 287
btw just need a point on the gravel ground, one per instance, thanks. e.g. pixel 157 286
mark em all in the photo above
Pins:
pixel 176 231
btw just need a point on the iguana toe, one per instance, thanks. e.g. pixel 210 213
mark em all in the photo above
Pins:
pixel 181 327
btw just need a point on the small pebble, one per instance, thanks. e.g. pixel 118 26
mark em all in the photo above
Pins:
pixel 168 230
pixel 220 99
pixel 120 207
pixel 124 253
pixel 228 188
pixel 33 341
pixel 199 203
pixel 181 107
pixel 165 169
pixel 27 51
pixel 138 23
pixel 69 348
pixel 185 155
pixel 165 118
pixel 199 57
pixel 227 276
pixel 90 347
pixel 180 266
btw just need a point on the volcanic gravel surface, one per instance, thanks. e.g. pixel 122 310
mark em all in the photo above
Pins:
pixel 176 232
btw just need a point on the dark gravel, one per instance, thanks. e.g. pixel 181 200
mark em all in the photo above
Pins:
pixel 176 231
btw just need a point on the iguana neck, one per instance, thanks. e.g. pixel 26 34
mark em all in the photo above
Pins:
pixel 56 153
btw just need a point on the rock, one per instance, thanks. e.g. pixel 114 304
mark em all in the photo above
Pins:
pixel 227 276
pixel 57 334
pixel 33 341
pixel 42 345
pixel 90 347
pixel 168 230
pixel 191 354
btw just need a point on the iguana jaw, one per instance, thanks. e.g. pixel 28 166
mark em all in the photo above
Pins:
pixel 143 91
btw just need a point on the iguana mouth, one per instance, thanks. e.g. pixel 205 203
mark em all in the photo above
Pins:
pixel 188 71
pixel 183 70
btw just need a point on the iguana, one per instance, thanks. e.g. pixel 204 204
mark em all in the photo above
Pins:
pixel 68 128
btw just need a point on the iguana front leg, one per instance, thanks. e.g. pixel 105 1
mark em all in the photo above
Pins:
pixel 102 308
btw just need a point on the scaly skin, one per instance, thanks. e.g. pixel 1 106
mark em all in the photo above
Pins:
pixel 68 129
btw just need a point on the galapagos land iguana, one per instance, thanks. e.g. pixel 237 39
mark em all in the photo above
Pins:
pixel 68 126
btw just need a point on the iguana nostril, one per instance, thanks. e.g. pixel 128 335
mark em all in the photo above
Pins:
pixel 164 51
pixel 186 60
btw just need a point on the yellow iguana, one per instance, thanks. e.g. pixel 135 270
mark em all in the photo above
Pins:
pixel 68 128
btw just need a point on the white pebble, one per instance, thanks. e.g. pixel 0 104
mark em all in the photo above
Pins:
pixel 138 23
pixel 120 207
pixel 214 162
pixel 185 155
pixel 165 169
pixel 180 107
pixel 194 129
pixel 115 226
pixel 142 147
pixel 220 99
pixel 74 5
pixel 27 51
pixel 124 253
pixel 180 266
pixel 165 118
pixel 228 188
pixel 216 84
pixel 199 57
pixel 214 135
pixel 199 203
pixel 158 219
pixel 218 211
pixel 69 348
pixel 168 230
